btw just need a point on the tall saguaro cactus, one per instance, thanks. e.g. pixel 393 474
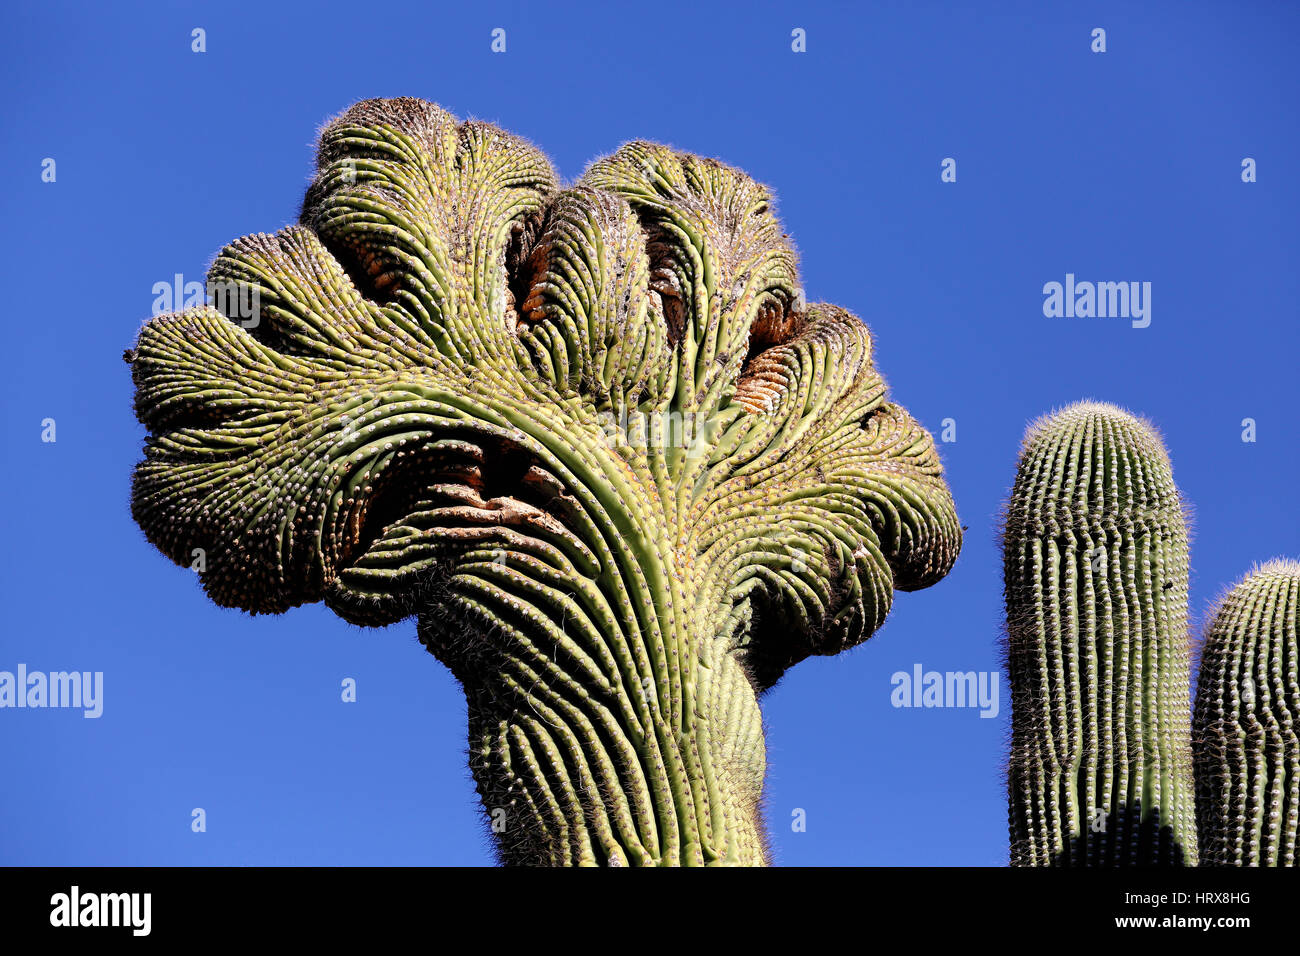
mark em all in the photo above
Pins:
pixel 1245 725
pixel 591 438
pixel 1095 574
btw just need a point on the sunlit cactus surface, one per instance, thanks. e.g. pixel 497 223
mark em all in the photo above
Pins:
pixel 1095 575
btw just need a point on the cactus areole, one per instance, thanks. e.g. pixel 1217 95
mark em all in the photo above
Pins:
pixel 590 437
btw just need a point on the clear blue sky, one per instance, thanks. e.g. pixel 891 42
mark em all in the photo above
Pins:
pixel 1121 166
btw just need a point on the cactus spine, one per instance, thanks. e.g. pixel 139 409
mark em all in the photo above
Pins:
pixel 1247 705
pixel 1095 573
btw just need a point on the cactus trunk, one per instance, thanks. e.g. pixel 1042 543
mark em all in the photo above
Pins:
pixel 1095 574
pixel 573 775
pixel 1247 707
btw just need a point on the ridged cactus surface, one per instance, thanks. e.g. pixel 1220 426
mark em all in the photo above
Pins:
pixel 591 437
pixel 1095 576
pixel 1246 721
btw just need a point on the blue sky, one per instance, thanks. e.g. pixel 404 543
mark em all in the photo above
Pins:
pixel 1115 166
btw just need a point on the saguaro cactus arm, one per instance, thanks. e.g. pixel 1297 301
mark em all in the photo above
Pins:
pixel 590 437
pixel 1245 733
pixel 1095 569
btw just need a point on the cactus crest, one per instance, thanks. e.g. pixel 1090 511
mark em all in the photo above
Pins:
pixel 1245 723
pixel 592 438
pixel 1095 575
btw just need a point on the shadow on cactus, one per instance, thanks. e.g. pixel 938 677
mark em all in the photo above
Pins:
pixel 1147 836
pixel 590 437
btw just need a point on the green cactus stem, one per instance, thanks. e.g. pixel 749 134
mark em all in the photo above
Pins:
pixel 1247 750
pixel 590 437
pixel 1095 574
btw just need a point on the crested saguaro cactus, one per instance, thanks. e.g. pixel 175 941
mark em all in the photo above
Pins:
pixel 590 437
pixel 1095 572
pixel 1245 723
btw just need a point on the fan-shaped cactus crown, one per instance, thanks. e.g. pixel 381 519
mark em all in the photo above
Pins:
pixel 591 435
